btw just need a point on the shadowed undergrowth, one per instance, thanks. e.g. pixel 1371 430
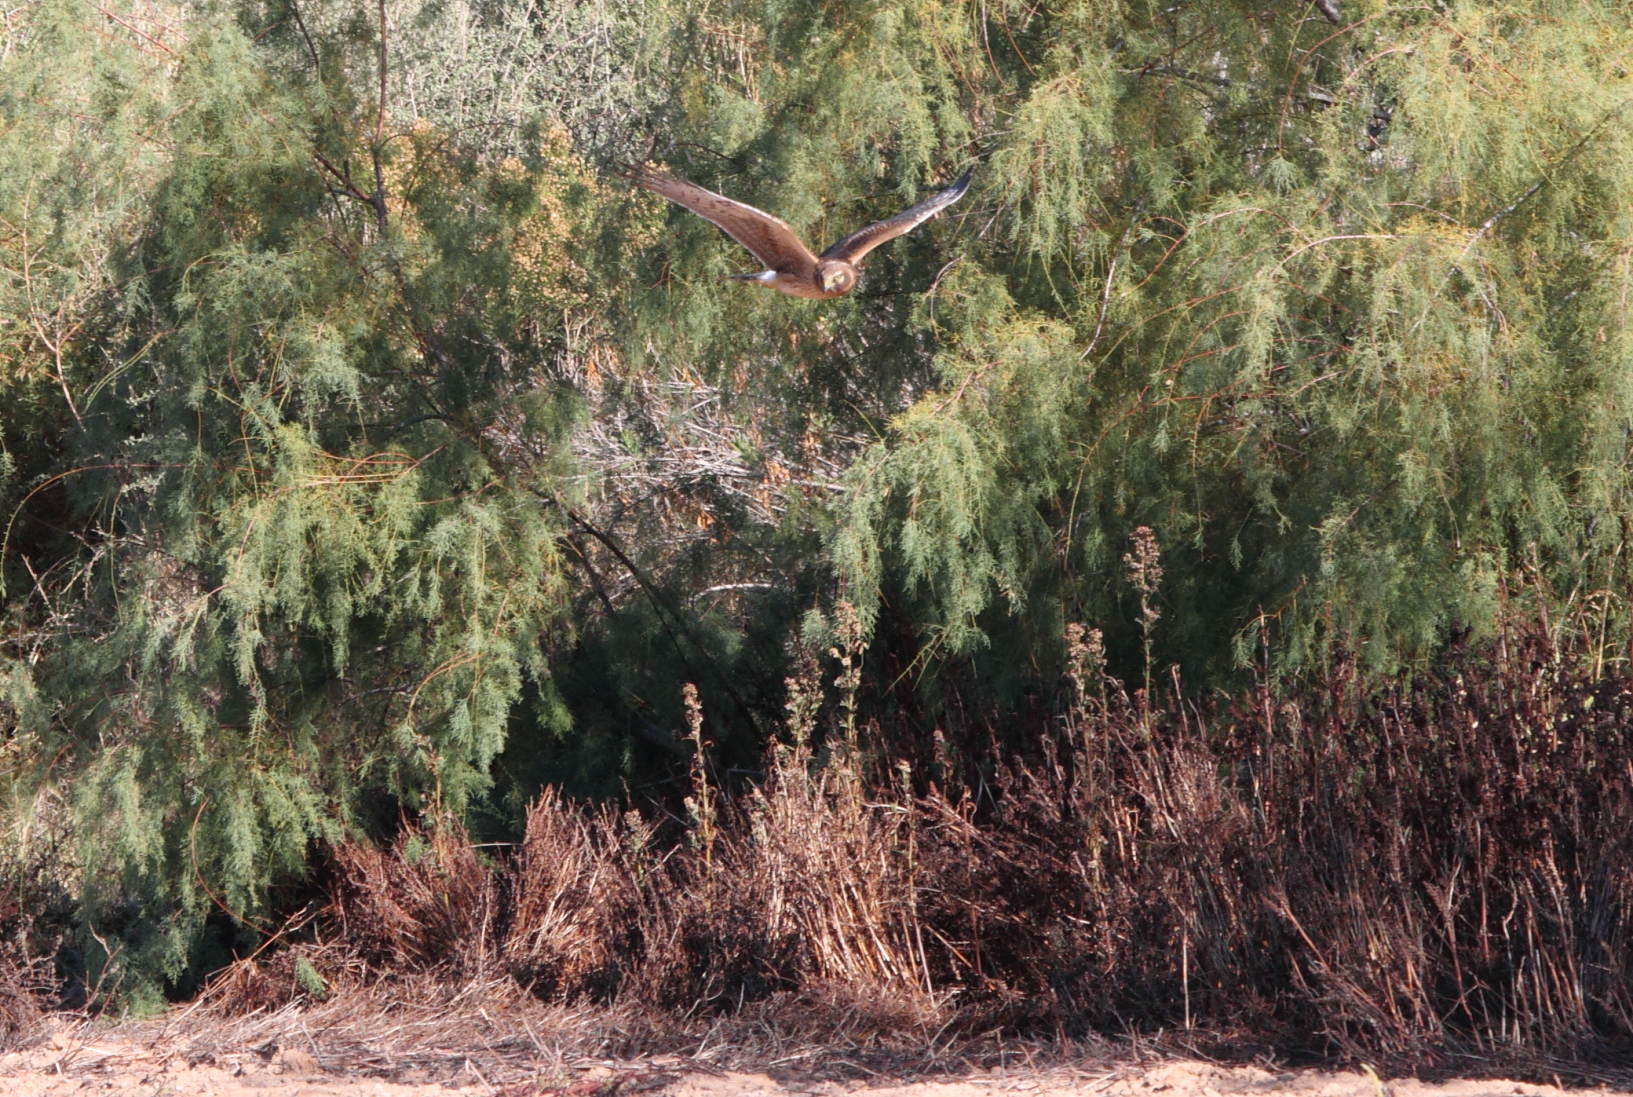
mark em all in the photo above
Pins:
pixel 1404 875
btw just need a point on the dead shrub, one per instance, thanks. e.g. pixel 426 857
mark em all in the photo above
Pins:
pixel 301 974
pixel 835 875
pixel 1400 872
pixel 1445 863
pixel 805 885
pixel 35 910
pixel 810 884
pixel 570 899
pixel 427 901
pixel 25 987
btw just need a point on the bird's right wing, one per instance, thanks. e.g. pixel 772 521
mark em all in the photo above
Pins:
pixel 768 237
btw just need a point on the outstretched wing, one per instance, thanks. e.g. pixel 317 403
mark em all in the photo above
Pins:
pixel 769 238
pixel 859 243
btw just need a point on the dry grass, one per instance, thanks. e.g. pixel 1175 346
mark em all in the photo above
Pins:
pixel 426 1026
pixel 24 986
pixel 426 903
pixel 1396 874
pixel 1409 875
pixel 33 869
pixel 1405 875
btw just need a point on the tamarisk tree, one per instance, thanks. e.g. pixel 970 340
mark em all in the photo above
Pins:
pixel 288 457
pixel 370 448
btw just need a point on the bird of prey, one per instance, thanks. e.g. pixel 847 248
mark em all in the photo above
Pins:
pixel 790 266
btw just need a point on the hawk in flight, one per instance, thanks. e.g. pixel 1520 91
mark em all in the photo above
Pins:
pixel 790 266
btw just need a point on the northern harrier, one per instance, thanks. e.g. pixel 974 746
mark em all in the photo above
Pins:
pixel 792 269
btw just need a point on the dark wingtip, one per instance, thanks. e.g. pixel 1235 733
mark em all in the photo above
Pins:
pixel 961 184
pixel 639 174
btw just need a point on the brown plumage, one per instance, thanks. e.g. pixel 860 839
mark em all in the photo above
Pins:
pixel 790 266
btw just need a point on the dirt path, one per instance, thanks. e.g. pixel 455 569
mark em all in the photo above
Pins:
pixel 68 1065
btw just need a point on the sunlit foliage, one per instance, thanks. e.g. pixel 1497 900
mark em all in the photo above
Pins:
pixel 360 424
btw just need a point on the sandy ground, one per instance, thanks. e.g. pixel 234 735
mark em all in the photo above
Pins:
pixel 69 1064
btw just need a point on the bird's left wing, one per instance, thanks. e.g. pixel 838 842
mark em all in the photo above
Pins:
pixel 769 238
pixel 859 243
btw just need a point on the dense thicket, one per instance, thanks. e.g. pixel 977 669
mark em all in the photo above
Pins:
pixel 1411 877
pixel 369 448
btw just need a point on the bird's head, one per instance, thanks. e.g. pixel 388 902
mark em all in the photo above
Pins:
pixel 836 276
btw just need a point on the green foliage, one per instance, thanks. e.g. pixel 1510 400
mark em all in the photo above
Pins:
pixel 368 448
pixel 308 555
pixel 1345 314
pixel 309 979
